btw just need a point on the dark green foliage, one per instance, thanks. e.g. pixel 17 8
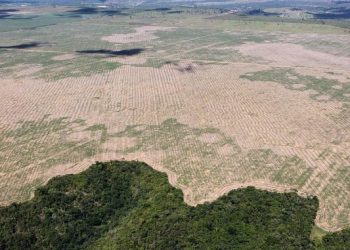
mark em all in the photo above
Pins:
pixel 245 219
pixel 71 211
pixel 128 205
pixel 337 241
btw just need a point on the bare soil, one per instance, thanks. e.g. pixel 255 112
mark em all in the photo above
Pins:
pixel 144 33
pixel 293 55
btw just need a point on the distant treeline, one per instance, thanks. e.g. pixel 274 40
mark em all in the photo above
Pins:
pixel 128 205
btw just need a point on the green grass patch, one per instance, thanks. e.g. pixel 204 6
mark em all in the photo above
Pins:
pixel 292 80
pixel 42 145
pixel 317 235
pixel 99 127
pixel 206 155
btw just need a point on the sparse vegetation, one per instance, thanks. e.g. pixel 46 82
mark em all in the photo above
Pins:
pixel 292 80
pixel 57 142
pixel 220 159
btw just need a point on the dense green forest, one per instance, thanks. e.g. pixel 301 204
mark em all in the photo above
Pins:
pixel 128 205
pixel 337 241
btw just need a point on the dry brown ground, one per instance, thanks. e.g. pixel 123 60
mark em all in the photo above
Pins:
pixel 63 57
pixel 251 117
pixel 144 33
pixel 293 55
pixel 128 60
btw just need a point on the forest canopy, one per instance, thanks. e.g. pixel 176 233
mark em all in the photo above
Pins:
pixel 128 205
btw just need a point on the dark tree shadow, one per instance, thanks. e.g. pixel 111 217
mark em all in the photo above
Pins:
pixel 113 13
pixel 84 11
pixel 22 46
pixel 78 13
pixel 341 2
pixel 70 15
pixel 3 16
pixel 259 12
pixel 175 12
pixel 333 13
pixel 6 13
pixel 105 52
pixel 11 14
pixel 2 11
pixel 158 9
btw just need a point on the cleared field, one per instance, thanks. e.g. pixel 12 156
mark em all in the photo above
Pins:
pixel 214 103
